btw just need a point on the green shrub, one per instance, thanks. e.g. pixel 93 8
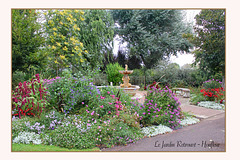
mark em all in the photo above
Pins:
pixel 212 83
pixel 113 75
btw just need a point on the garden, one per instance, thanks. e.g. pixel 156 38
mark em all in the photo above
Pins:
pixel 62 99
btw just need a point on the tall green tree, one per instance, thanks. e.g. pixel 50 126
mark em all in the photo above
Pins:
pixel 27 38
pixel 210 40
pixel 152 35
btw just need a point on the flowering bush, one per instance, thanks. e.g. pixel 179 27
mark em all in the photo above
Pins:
pixel 69 94
pixel 216 94
pixel 29 98
pixel 161 107
pixel 212 83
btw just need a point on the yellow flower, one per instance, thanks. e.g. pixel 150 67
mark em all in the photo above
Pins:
pixel 68 19
pixel 81 44
pixel 76 11
pixel 55 29
pixel 78 29
pixel 72 39
pixel 53 47
pixel 74 19
pixel 81 60
pixel 61 12
pixel 66 43
pixel 86 51
pixel 79 54
pixel 58 44
pixel 82 19
pixel 81 12
pixel 72 54
pixel 65 48
pixel 54 33
pixel 63 37
pixel 52 40
pixel 56 61
pixel 75 26
pixel 61 22
pixel 70 16
pixel 62 56
pixel 49 58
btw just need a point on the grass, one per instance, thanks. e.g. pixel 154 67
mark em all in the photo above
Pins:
pixel 46 148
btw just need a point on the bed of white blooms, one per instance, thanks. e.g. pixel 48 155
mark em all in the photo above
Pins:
pixel 189 120
pixel 27 138
pixel 211 104
pixel 155 130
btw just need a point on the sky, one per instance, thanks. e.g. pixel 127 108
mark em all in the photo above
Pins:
pixel 180 59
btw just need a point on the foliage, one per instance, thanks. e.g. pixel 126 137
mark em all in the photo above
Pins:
pixel 161 107
pixel 152 33
pixel 210 40
pixel 27 38
pixel 196 96
pixel 29 98
pixel 19 125
pixel 45 148
pixel 113 75
pixel 72 135
pixel 18 76
pixel 68 93
pixel 211 83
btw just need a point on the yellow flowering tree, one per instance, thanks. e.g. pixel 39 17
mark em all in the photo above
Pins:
pixel 63 41
pixel 78 38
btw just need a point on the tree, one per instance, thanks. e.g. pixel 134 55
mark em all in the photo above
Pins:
pixel 152 35
pixel 27 38
pixel 210 41
pixel 77 38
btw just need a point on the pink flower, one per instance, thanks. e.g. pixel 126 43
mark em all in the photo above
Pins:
pixel 117 113
pixel 99 127
pixel 92 113
pixel 102 97
pixel 108 92
pixel 109 112
pixel 87 111
pixel 109 103
pixel 144 113
pixel 101 106
pixel 82 102
pixel 156 115
pixel 112 96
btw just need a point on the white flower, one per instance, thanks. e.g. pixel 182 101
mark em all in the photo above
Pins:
pixel 27 138
pixel 211 104
pixel 155 130
pixel 189 120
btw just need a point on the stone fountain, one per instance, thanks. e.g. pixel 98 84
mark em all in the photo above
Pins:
pixel 126 86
